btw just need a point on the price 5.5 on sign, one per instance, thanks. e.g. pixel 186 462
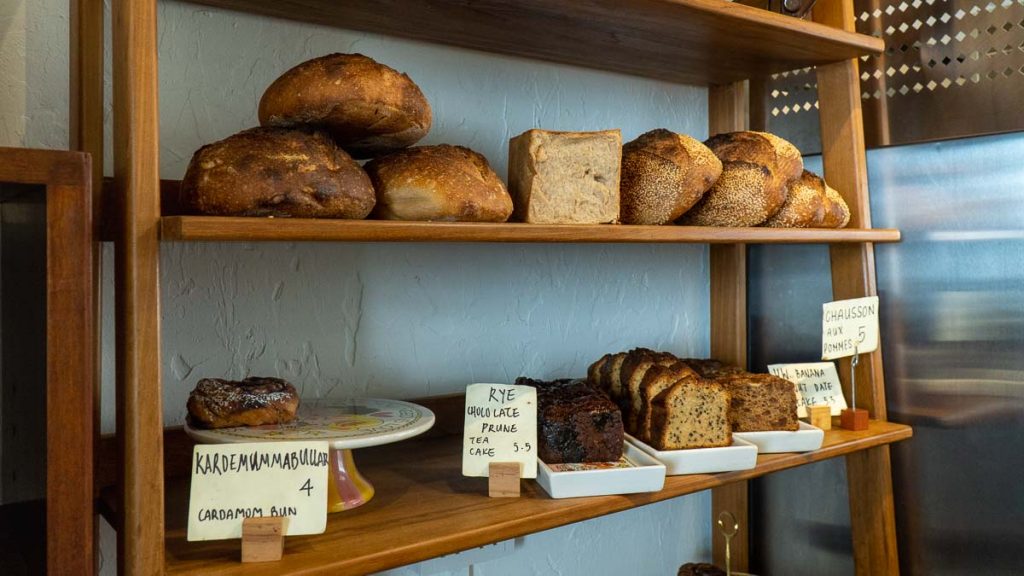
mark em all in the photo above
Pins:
pixel 849 327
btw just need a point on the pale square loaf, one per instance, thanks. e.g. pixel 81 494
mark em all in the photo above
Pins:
pixel 565 177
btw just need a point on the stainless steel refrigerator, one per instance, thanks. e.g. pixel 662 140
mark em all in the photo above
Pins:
pixel 952 324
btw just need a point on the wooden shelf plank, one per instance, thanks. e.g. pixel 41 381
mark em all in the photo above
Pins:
pixel 218 228
pixel 688 41
pixel 425 508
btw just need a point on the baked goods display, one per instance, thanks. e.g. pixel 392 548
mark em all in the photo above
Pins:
pixel 757 168
pixel 575 423
pixel 674 404
pixel 565 177
pixel 443 182
pixel 276 172
pixel 663 175
pixel 255 401
pixel 369 108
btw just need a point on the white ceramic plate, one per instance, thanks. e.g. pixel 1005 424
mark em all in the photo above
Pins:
pixel 740 456
pixel 805 439
pixel 345 424
pixel 636 472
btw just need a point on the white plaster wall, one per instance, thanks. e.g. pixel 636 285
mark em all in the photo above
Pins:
pixel 397 320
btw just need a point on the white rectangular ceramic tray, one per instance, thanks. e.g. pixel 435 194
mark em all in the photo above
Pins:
pixel 740 456
pixel 643 474
pixel 805 439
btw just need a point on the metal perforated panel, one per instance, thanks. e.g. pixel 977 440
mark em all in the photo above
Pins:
pixel 950 69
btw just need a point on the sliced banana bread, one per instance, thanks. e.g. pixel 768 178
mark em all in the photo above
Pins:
pixel 760 402
pixel 657 379
pixel 691 414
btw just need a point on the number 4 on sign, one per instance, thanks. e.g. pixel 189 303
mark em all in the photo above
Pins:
pixel 307 487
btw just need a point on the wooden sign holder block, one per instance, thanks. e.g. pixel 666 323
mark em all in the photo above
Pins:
pixel 503 479
pixel 263 538
pixel 854 419
pixel 820 416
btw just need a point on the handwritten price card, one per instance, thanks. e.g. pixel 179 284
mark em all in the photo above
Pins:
pixel 232 482
pixel 816 383
pixel 501 426
pixel 849 327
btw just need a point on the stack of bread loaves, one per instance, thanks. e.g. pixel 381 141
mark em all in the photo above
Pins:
pixel 673 403
pixel 763 183
pixel 315 119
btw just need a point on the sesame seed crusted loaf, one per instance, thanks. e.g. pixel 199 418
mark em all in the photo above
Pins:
pixel 663 175
pixel 575 423
pixel 756 170
pixel 804 206
pixel 255 401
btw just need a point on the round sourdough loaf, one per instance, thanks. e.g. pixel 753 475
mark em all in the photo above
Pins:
pixel 663 175
pixel 276 172
pixel 443 182
pixel 757 168
pixel 369 108
pixel 804 206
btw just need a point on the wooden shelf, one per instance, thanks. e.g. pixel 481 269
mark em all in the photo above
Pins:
pixel 688 41
pixel 425 508
pixel 217 228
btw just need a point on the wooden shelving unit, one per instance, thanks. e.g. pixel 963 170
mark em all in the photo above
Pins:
pixel 426 508
pixel 214 228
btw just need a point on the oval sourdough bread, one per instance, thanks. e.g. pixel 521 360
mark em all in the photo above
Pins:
pixel 369 108
pixel 276 172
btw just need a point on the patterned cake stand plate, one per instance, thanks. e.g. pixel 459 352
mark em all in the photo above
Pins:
pixel 345 425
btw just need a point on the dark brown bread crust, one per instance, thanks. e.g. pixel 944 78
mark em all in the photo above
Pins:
pixel 276 172
pixel 369 108
pixel 711 368
pixel 443 182
pixel 594 377
pixel 575 423
pixel 702 569
pixel 761 402
pixel 217 403
pixel 837 213
pixel 663 175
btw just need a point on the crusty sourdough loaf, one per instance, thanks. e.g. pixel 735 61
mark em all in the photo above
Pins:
pixel 837 213
pixel 575 423
pixel 656 380
pixel 217 403
pixel 443 182
pixel 756 170
pixel 663 175
pixel 804 206
pixel 760 402
pixel 691 414
pixel 369 108
pixel 565 177
pixel 276 172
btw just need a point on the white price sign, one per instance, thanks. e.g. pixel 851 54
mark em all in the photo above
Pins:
pixel 501 426
pixel 849 327
pixel 816 383
pixel 232 482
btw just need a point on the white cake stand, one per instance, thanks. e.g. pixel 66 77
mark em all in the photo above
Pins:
pixel 345 425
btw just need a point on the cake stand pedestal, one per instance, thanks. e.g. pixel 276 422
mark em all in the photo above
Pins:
pixel 345 426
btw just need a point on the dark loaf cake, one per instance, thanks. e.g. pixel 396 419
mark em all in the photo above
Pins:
pixel 575 423
pixel 702 569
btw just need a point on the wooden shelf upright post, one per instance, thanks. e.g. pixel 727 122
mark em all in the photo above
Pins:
pixel 137 252
pixel 868 473
pixel 728 111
